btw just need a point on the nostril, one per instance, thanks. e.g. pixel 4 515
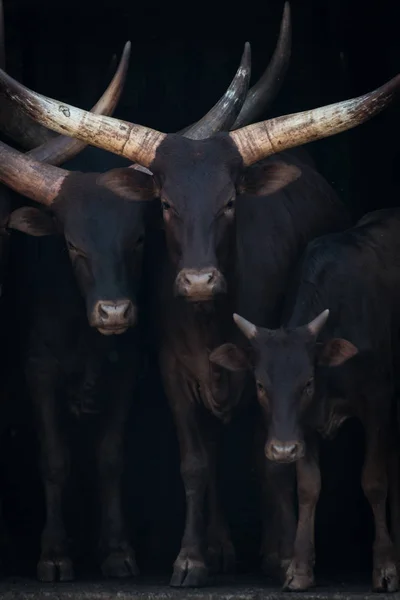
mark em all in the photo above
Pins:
pixel 291 450
pixel 103 312
pixel 127 309
pixel 211 276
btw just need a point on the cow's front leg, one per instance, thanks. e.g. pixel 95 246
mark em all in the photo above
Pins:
pixel 117 554
pixel 375 486
pixel 300 574
pixel 220 551
pixel 54 561
pixel 190 568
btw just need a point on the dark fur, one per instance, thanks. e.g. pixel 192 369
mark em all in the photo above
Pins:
pixel 71 368
pixel 305 386
pixel 249 244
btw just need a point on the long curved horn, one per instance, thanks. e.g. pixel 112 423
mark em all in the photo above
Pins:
pixel 223 114
pixel 247 328
pixel 135 142
pixel 28 177
pixel 62 148
pixel 263 93
pixel 260 140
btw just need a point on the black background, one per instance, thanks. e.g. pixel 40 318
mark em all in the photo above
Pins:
pixel 183 58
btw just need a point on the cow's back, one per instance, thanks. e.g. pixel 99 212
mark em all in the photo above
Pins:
pixel 272 234
pixel 356 275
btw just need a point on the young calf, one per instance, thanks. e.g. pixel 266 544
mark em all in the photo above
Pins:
pixel 305 386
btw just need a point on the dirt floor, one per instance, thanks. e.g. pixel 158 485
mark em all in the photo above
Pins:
pixel 237 589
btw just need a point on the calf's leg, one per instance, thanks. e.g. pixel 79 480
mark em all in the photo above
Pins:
pixel 279 517
pixel 54 561
pixel 300 574
pixel 375 486
pixel 118 556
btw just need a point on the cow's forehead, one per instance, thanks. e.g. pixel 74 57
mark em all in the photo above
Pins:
pixel 177 155
pixel 284 353
pixel 91 209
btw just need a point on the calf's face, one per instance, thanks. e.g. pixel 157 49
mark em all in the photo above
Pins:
pixel 104 226
pixel 198 183
pixel 286 366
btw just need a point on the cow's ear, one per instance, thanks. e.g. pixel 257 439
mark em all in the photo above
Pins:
pixel 266 179
pixel 32 221
pixel 130 184
pixel 230 357
pixel 335 352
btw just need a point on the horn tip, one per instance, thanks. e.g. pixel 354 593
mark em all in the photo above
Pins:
pixel 247 52
pixel 126 53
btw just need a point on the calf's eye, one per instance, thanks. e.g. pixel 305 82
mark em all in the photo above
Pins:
pixel 308 388
pixel 71 247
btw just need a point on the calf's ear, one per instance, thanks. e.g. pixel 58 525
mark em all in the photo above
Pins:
pixel 32 221
pixel 230 357
pixel 263 180
pixel 130 184
pixel 335 352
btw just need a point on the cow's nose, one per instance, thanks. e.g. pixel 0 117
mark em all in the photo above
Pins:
pixel 199 280
pixel 112 316
pixel 198 285
pixel 114 311
pixel 284 452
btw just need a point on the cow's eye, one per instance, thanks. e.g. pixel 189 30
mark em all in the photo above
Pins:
pixel 165 205
pixel 260 387
pixel 230 205
pixel 74 249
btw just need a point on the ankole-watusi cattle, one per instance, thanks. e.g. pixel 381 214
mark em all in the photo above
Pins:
pixel 52 149
pixel 335 357
pixel 216 225
pixel 61 344
pixel 90 276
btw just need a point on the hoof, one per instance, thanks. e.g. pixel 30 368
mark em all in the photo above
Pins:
pixel 298 580
pixel 385 578
pixel 120 563
pixel 55 569
pixel 189 572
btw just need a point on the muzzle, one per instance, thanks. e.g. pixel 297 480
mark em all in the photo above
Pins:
pixel 113 318
pixel 199 285
pixel 284 452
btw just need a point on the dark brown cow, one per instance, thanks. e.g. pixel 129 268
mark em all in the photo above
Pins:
pixel 202 184
pixel 305 386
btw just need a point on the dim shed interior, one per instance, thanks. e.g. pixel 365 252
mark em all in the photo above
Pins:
pixel 182 61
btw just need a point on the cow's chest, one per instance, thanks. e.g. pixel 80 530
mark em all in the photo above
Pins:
pixel 85 371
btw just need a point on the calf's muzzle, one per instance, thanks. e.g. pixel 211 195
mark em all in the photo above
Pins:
pixel 284 452
pixel 199 285
pixel 113 317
